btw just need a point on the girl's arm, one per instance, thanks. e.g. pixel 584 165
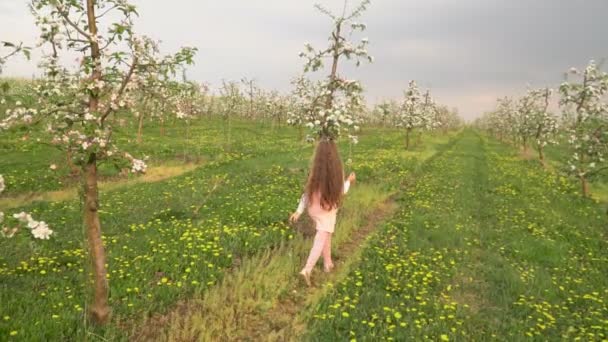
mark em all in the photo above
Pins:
pixel 301 207
pixel 302 204
pixel 346 186
pixel 351 179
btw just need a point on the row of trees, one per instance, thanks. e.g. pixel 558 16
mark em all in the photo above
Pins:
pixel 581 127
pixel 417 112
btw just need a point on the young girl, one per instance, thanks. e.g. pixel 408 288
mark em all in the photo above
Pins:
pixel 322 197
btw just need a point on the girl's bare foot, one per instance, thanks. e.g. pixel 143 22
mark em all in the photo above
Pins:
pixel 306 276
pixel 328 268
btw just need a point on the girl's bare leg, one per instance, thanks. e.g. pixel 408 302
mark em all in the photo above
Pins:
pixel 316 250
pixel 327 263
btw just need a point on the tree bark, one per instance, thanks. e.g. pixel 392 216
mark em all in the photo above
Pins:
pixel 140 127
pixel 407 138
pixel 251 99
pixel 99 309
pixel 73 169
pixel 187 142
pixel 584 186
pixel 541 155
pixel 334 71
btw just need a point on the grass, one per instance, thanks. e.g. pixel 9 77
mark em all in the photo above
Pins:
pixel 264 298
pixel 471 243
pixel 486 246
pixel 252 302
pixel 26 162
pixel 171 239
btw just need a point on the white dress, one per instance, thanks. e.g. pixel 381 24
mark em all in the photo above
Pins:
pixel 325 220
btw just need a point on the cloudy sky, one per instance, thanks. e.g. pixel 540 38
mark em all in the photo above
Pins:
pixel 468 52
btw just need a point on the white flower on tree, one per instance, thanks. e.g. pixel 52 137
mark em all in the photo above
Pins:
pixel 39 229
pixel 42 231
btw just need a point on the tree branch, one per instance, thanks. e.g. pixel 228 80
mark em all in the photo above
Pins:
pixel 106 12
pixel 123 86
pixel 71 23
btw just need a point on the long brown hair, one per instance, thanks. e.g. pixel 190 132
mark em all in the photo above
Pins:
pixel 326 175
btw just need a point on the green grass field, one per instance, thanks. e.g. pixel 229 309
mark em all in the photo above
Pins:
pixel 484 247
pixel 457 239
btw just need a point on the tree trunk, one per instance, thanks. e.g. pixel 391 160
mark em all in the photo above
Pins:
pixel 99 310
pixel 407 139
pixel 541 155
pixel 251 100
pixel 162 128
pixel 187 142
pixel 140 127
pixel 584 186
pixel 334 72
pixel 73 169
pixel 227 134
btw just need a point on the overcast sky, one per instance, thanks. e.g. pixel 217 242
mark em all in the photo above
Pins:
pixel 468 52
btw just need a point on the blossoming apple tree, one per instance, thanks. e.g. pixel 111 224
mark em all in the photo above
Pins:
pixel 411 111
pixel 329 107
pixel 586 116
pixel 544 123
pixel 75 104
pixel 231 104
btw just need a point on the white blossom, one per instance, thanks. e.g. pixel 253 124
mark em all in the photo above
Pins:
pixel 42 231
pixel 138 166
pixel 23 217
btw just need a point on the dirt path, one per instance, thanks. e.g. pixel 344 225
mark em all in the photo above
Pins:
pixel 293 308
pixel 154 174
